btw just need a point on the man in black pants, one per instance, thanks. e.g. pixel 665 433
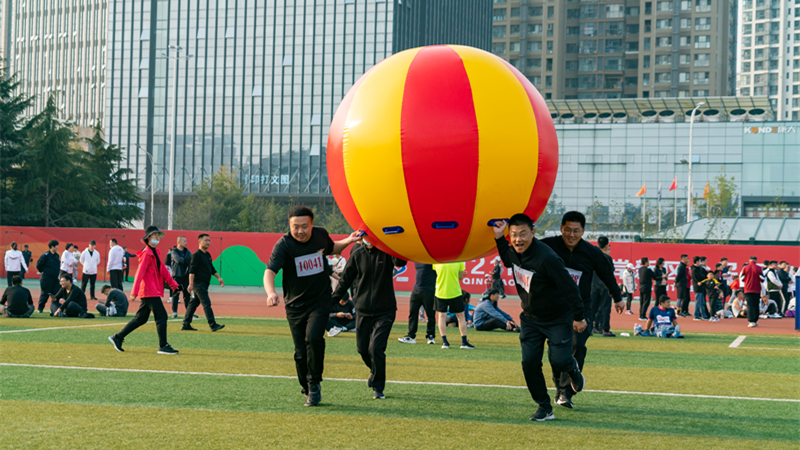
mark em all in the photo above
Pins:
pixel 601 300
pixel 126 263
pixel 369 272
pixel 49 265
pixel 659 279
pixel 422 296
pixel 74 300
pixel 645 288
pixel 301 254
pixel 27 256
pixel 551 308
pixel 682 286
pixel 497 278
pixel 90 259
pixel 17 301
pixel 180 257
pixel 582 261
pixel 200 270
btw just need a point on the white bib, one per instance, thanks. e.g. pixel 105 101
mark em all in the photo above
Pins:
pixel 576 275
pixel 523 277
pixel 664 320
pixel 308 265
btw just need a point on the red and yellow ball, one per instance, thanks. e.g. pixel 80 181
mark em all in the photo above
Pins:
pixel 433 143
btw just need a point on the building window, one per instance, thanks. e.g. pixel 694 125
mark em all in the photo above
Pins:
pixel 631 63
pixel 683 77
pixel 499 14
pixel 499 31
pixel 588 12
pixel 632 28
pixel 683 93
pixel 661 94
pixel 615 11
pixel 143 92
pixel 535 80
pixel 684 59
pixel 549 12
pixel 663 60
pixel 571 65
pixel 646 79
pixel 513 47
pixel 571 82
pixel 534 46
pixel 514 30
pixel 745 67
pixel 144 63
pixel 663 77
pixel 287 60
pixel 514 12
pixel 589 29
pixel 572 48
pixel 549 29
pixel 230 32
pixel 535 11
pixel 612 63
pixel 548 82
pixel 664 41
pixel 647 43
pixel 499 48
pixel 533 63
pixel 535 28
pixel 613 46
pixel 702 24
pixel 588 46
pixel 686 5
pixel 747 29
pixel 701 78
pixel 549 46
pixel 685 41
pixel 703 5
pixel 702 60
pixel 702 42
pixel 700 93
pixel 573 31
pixel 201 33
pixel 664 6
pixel 664 24
pixel 257 91
pixel 632 46
pixel 587 64
pixel 646 61
pixel 145 36
pixel 549 65
pixel 587 82
pixel 632 11
pixel 573 13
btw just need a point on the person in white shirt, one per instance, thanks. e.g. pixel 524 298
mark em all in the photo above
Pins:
pixel 738 306
pixel 90 259
pixel 629 286
pixel 114 265
pixel 14 263
pixel 68 262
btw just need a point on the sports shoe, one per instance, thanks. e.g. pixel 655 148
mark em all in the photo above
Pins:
pixel 629 312
pixel 577 381
pixel 467 346
pixel 564 401
pixel 643 319
pixel 407 340
pixel 167 350
pixel 431 340
pixel 217 327
pixel 314 395
pixel 776 316
pixel 752 325
pixel 543 414
pixel 334 331
pixel 188 328
pixel 763 316
pixel 609 334
pixel 174 315
pixel 378 395
pixel 116 342
pixel 445 345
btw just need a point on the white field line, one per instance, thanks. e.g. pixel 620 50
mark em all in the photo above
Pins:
pixel 737 341
pixel 77 326
pixel 430 383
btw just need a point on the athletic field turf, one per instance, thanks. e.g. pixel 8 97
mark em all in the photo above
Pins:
pixel 66 387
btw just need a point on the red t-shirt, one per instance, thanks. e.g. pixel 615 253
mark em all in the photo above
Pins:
pixel 752 278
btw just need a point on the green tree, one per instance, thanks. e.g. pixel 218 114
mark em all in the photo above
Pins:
pixel 217 205
pixel 13 134
pixel 721 197
pixel 550 219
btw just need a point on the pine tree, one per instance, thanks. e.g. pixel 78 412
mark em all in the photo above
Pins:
pixel 13 131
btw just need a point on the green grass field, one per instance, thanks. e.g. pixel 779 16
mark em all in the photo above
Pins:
pixel 68 388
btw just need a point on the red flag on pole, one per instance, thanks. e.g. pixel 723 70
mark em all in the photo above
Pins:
pixel 705 191
pixel 674 184
pixel 642 191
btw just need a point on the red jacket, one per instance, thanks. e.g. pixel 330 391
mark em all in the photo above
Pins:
pixel 753 275
pixel 150 276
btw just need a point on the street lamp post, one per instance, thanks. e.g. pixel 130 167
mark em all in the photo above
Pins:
pixel 177 58
pixel 689 189
pixel 152 181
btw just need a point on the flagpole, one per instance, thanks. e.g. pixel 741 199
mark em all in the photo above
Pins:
pixel 675 208
pixel 659 206
pixel 644 219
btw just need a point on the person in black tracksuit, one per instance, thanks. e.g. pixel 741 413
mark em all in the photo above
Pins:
pixel 551 308
pixel 582 260
pixel 301 255
pixel 74 300
pixel 682 286
pixel 180 257
pixel 49 265
pixel 369 272
pixel 660 279
pixel 27 256
pixel 645 288
pixel 201 268
pixel 422 296
pixel 342 316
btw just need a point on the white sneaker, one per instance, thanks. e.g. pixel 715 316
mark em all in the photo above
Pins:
pixel 776 316
pixel 752 325
pixel 174 315
pixel 334 331
pixel 763 316
pixel 431 341
pixel 407 340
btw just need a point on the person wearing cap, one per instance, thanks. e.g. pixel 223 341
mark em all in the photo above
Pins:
pixel 90 259
pixel 497 280
pixel 14 263
pixel 628 286
pixel 148 285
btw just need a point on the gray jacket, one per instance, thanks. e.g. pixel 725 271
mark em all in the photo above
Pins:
pixel 180 259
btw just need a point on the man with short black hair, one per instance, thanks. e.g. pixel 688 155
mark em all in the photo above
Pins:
pixel 582 260
pixel 90 259
pixel 74 300
pixel 422 296
pixel 645 287
pixel 115 264
pixel 27 256
pixel 682 279
pixel 488 316
pixel 201 268
pixel 752 276
pixel 301 254
pixel 180 259
pixel 699 276
pixel 497 277
pixel 48 266
pixel 17 301
pixel 114 297
pixel 551 308
pixel 774 286
pixel 786 280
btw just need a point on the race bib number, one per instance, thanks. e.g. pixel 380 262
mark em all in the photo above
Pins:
pixel 663 320
pixel 575 274
pixel 523 277
pixel 308 265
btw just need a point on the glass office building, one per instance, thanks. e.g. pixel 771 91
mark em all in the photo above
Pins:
pixel 264 80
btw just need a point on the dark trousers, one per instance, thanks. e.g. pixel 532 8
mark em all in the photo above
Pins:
pixel 10 275
pixel 175 295
pixel 561 379
pixel 559 351
pixel 27 313
pixel 115 278
pixel 644 301
pixel 148 304
pixel 307 325
pixel 372 336
pixel 498 284
pixel 341 322
pixel 778 298
pixel 126 272
pixel 601 309
pixel 199 296
pixel 683 299
pixel 49 286
pixel 628 300
pixel 91 280
pixel 753 301
pixel 659 292
pixel 491 324
pixel 73 309
pixel 102 309
pixel 421 299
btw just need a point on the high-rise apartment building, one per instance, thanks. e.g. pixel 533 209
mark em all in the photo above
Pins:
pixel 58 47
pixel 620 49
pixel 769 63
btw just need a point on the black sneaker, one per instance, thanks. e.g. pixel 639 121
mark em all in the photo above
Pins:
pixel 116 342
pixel 543 414
pixel 188 328
pixel 564 401
pixel 378 395
pixel 217 327
pixel 167 350
pixel 315 394
pixel 577 380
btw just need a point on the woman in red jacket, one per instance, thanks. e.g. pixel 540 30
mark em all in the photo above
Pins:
pixel 148 285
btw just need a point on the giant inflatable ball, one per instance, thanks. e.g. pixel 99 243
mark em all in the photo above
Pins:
pixel 433 144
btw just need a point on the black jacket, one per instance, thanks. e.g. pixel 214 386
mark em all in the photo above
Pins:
pixel 179 262
pixel 552 295
pixel 583 262
pixel 49 264
pixel 660 276
pixel 699 275
pixel 369 272
pixel 645 278
pixel 680 276
pixel 75 295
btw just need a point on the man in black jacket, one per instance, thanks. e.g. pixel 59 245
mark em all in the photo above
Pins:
pixel 497 277
pixel 27 256
pixel 551 308
pixel 17 300
pixel 422 297
pixel 74 300
pixel 682 286
pixel 49 266
pixel 369 272
pixel 699 275
pixel 645 288
pixel 180 258
pixel 582 260
pixel 201 268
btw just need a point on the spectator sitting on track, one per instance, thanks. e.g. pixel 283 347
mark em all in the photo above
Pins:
pixel 342 317
pixel 74 300
pixel 116 304
pixel 663 320
pixel 17 300
pixel 738 307
pixel 488 316
pixel 452 319
pixel 768 308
